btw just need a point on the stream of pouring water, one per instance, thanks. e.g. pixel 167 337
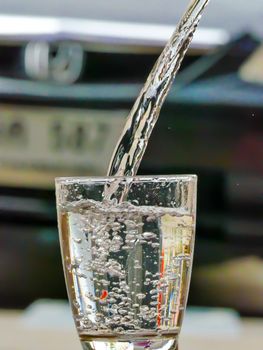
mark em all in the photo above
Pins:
pixel 145 112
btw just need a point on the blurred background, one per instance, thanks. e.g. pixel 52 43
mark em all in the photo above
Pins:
pixel 69 73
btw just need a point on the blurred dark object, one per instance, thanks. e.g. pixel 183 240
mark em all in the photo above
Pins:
pixel 212 125
pixel 235 283
pixel 29 248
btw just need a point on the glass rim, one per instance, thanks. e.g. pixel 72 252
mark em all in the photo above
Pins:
pixel 136 178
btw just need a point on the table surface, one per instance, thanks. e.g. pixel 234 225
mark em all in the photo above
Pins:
pixel 14 337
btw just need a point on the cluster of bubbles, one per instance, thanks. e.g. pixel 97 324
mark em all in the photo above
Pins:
pixel 115 291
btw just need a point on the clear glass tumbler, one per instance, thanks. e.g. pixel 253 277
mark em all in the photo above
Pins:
pixel 127 264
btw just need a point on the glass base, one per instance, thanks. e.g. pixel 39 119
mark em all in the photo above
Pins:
pixel 131 344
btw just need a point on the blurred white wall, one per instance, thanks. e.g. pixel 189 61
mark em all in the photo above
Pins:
pixel 235 15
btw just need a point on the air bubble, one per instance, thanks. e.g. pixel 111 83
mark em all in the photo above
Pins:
pixel 119 330
pixel 155 296
pixel 123 312
pixel 112 300
pixel 76 304
pixel 148 235
pixel 153 291
pixel 77 240
pixel 81 275
pixel 144 308
pixel 140 296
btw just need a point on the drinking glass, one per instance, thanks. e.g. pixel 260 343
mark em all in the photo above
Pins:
pixel 127 263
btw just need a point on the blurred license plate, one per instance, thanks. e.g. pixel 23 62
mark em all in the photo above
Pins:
pixel 58 138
